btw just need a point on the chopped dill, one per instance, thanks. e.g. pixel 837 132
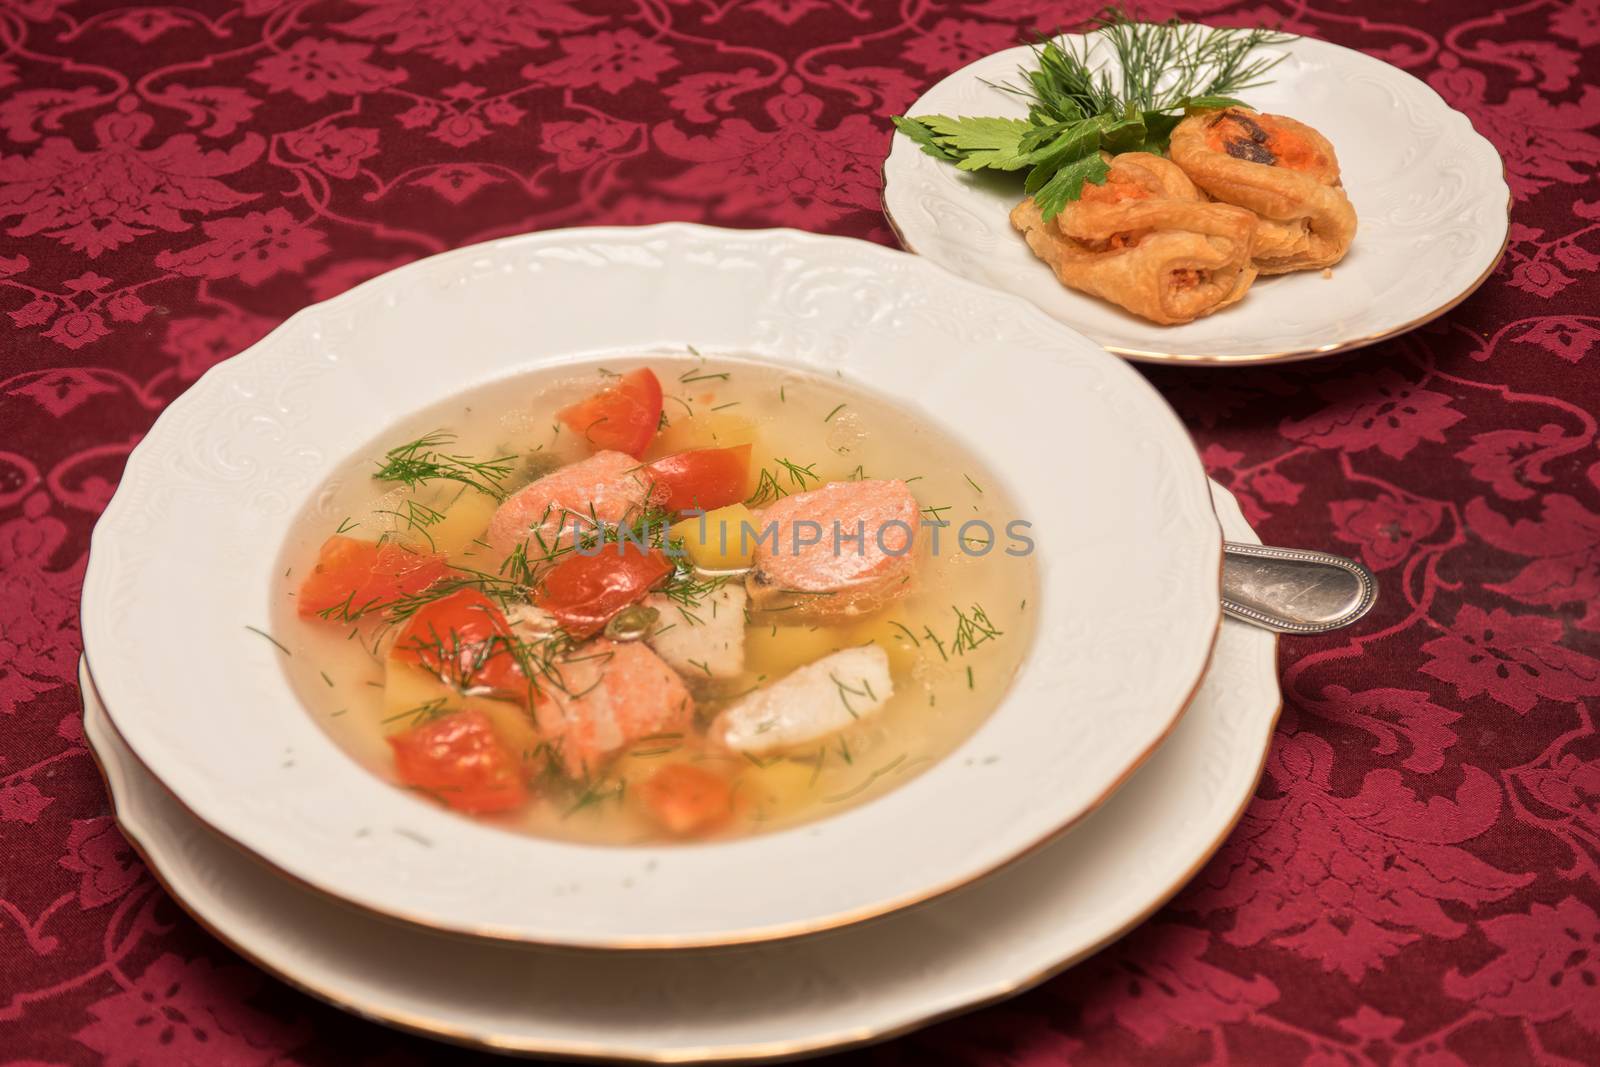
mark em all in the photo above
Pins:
pixel 972 629
pixel 269 637
pixel 787 477
pixel 422 713
pixel 595 793
pixel 866 782
pixel 418 462
pixel 903 628
pixel 417 517
pixel 848 691
pixel 829 416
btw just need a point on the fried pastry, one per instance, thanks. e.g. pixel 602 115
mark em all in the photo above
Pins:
pixel 1146 240
pixel 1284 171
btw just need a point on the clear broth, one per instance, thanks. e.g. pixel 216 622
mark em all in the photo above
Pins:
pixel 968 615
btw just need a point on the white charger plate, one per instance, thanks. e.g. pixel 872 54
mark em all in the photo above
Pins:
pixel 863 983
pixel 1430 193
pixel 185 558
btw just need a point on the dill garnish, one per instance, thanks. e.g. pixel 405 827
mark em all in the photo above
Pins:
pixel 866 782
pixel 269 637
pixel 972 629
pixel 418 462
pixel 786 478
pixel 903 628
pixel 417 516
pixel 1076 109
pixel 424 712
pixel 848 691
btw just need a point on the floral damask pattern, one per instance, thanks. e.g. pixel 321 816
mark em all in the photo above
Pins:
pixel 1418 879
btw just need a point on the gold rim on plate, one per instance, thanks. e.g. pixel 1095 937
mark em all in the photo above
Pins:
pixel 762 1051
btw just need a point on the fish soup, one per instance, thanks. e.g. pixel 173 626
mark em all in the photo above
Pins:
pixel 672 598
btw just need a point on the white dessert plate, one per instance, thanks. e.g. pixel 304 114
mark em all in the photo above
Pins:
pixel 850 986
pixel 1430 193
pixel 184 559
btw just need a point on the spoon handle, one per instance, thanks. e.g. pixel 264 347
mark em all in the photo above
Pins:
pixel 1293 590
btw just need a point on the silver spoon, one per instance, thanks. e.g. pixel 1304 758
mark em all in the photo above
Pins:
pixel 1293 590
pixel 1289 590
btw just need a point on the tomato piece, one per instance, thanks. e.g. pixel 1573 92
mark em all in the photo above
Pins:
pixel 584 591
pixel 623 416
pixel 687 799
pixel 707 478
pixel 459 760
pixel 465 639
pixel 352 574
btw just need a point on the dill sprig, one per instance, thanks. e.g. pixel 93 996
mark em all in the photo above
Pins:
pixel 1077 109
pixel 417 517
pixel 417 462
pixel 787 477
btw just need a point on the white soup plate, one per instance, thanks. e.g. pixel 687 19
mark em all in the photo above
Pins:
pixel 183 565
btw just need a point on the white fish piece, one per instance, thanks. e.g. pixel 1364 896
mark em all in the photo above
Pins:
pixel 810 703
pixel 705 641
pixel 530 623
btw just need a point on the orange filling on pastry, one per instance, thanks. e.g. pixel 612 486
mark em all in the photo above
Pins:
pixel 1185 278
pixel 1261 139
pixel 1116 188
pixel 1116 242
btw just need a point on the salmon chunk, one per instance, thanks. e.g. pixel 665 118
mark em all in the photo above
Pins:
pixel 843 550
pixel 606 486
pixel 807 705
pixel 612 693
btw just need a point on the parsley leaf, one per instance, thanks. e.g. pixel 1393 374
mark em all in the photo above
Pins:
pixel 983 142
pixel 1067 184
pixel 924 137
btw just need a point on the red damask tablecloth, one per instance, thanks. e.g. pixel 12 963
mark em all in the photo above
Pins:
pixel 1416 881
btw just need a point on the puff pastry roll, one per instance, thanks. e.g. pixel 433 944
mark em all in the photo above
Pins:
pixel 1148 241
pixel 1284 171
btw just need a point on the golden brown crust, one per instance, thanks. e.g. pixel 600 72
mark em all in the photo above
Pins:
pixel 1147 241
pixel 1284 171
